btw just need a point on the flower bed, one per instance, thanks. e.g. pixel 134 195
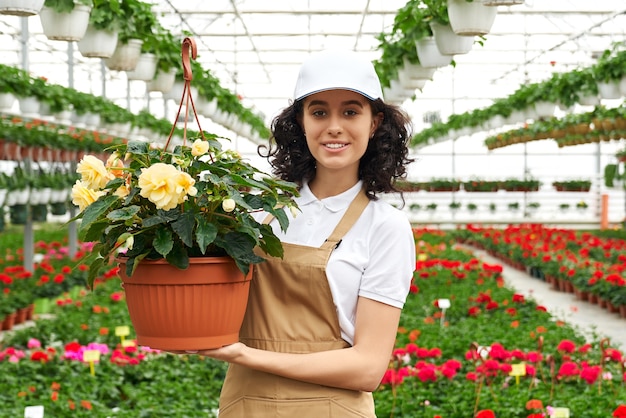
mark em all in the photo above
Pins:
pixel 449 361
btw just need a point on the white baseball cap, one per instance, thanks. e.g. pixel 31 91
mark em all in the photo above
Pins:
pixel 334 69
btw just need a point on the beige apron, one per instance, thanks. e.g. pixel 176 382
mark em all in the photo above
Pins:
pixel 291 310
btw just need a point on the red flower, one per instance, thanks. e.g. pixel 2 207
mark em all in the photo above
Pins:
pixel 486 413
pixel 590 374
pixel 566 346
pixel 620 411
pixel 473 311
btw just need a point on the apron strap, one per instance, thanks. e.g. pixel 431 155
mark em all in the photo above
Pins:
pixel 348 220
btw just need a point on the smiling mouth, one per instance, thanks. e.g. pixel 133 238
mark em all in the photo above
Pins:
pixel 335 146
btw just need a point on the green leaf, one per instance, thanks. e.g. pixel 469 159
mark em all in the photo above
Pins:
pixel 205 233
pixel 161 217
pixel 240 247
pixel 123 214
pixel 94 232
pixel 282 218
pixel 93 212
pixel 272 245
pixel 138 147
pixel 163 242
pixel 178 257
pixel 184 228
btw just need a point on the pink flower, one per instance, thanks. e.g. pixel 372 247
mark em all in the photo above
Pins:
pixel 33 343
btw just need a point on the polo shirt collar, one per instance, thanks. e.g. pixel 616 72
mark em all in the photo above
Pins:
pixel 333 203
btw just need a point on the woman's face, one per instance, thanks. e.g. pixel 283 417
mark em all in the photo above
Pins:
pixel 338 125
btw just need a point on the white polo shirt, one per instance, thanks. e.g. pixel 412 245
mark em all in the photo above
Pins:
pixel 375 259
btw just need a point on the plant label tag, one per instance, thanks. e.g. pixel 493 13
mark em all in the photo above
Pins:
pixel 518 370
pixel 122 331
pixel 90 356
pixel 128 343
pixel 560 412
pixel 443 303
pixel 33 411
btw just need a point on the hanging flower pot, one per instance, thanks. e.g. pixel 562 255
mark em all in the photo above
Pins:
pixel 206 108
pixel 65 26
pixel 39 212
pixel 176 92
pixel 97 43
pixel 21 7
pixel 125 56
pixel 29 106
pixel 418 71
pixel 545 109
pixel 410 83
pixel 18 214
pixel 429 54
pixel 163 82
pixel 610 90
pixel 58 208
pixel 6 101
pixel 145 68
pixel 471 18
pixel 198 308
pixel 448 42
pixel 589 100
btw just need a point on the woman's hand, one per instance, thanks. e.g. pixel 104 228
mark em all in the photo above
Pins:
pixel 227 353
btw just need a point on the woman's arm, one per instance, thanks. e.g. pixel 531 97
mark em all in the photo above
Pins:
pixel 360 367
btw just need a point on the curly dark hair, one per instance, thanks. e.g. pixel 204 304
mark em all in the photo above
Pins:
pixel 384 161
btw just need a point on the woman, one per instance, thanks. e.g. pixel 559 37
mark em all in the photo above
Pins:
pixel 321 322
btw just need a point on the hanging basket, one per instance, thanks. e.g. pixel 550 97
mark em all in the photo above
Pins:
pixel 29 106
pixel 163 82
pixel 21 7
pixel 448 42
pixel 610 90
pixel 145 68
pixel 65 26
pixel 97 43
pixel 6 101
pixel 429 54
pixel 418 71
pixel 201 307
pixel 125 56
pixel 471 18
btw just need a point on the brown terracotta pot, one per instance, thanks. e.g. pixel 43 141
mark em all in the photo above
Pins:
pixel 8 322
pixel 198 308
pixel 622 311
pixel 20 316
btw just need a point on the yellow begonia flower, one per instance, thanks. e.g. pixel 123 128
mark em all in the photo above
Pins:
pixel 165 186
pixel 199 147
pixel 94 174
pixel 83 196
pixel 228 205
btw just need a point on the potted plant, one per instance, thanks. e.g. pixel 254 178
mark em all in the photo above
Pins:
pixel 176 212
pixel 454 206
pixel 572 185
pixel 23 8
pixel 65 20
pixel 100 38
pixel 135 27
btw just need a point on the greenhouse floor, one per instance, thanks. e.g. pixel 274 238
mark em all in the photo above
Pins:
pixel 591 320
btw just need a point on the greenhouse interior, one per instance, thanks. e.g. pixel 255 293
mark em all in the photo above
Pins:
pixel 514 188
